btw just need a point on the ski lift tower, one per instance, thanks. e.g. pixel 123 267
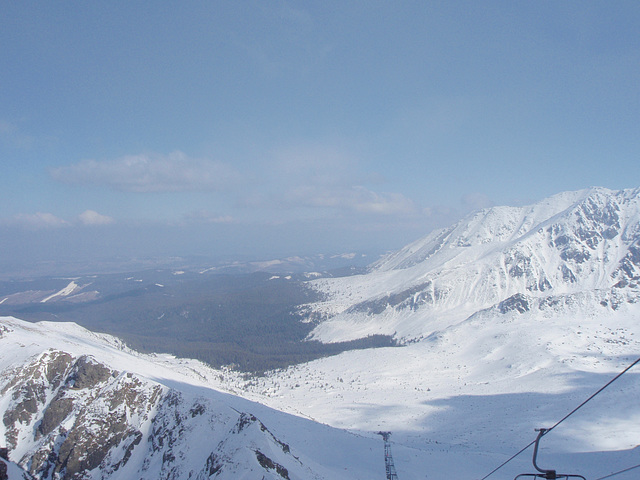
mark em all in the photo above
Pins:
pixel 388 458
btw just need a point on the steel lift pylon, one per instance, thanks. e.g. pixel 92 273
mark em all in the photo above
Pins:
pixel 390 468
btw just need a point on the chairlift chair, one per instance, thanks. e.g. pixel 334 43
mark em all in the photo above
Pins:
pixel 546 474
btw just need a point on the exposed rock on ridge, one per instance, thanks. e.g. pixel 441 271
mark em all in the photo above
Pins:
pixel 565 246
pixel 69 417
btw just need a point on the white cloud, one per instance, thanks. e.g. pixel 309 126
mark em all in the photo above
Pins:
pixel 175 172
pixel 38 220
pixel 385 203
pixel 330 177
pixel 91 217
pixel 356 198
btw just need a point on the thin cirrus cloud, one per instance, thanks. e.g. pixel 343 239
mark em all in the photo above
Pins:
pixel 46 220
pixel 38 220
pixel 330 178
pixel 355 198
pixel 147 173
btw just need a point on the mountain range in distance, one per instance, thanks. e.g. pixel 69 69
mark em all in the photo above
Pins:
pixel 201 264
pixel 489 329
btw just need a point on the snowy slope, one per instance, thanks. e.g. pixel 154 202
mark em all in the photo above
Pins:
pixel 458 405
pixel 80 405
pixel 65 292
pixel 471 396
pixel 574 247
pixel 509 320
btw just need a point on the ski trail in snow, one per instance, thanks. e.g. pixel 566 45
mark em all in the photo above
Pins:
pixel 68 290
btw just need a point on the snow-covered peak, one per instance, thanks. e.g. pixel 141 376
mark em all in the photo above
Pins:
pixel 493 226
pixel 573 242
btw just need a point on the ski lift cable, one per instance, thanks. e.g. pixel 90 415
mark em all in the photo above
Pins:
pixel 618 473
pixel 504 463
pixel 567 416
pixel 592 396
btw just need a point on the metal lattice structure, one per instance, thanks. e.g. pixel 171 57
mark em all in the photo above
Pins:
pixel 390 468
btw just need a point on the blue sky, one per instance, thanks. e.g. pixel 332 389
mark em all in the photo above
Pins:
pixel 273 128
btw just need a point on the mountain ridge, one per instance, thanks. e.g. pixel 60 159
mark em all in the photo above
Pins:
pixel 76 404
pixel 569 243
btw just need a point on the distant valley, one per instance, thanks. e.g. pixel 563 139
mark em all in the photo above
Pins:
pixel 244 315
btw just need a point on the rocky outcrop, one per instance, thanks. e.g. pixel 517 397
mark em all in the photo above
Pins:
pixel 82 419
pixel 75 410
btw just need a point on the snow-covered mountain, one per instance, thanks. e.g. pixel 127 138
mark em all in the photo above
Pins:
pixel 574 252
pixel 508 320
pixel 80 405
